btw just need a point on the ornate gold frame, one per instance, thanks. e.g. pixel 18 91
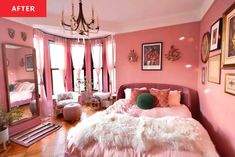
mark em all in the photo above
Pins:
pixel 226 60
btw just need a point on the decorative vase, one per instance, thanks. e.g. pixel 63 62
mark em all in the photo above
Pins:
pixel 4 137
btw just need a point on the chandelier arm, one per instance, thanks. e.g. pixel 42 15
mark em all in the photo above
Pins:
pixel 65 25
pixel 80 25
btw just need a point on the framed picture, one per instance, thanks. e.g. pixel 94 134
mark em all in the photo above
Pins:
pixel 205 47
pixel 216 35
pixel 214 69
pixel 29 63
pixel 228 48
pixel 203 76
pixel 229 84
pixel 152 56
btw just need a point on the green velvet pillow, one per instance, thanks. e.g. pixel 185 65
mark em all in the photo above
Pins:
pixel 146 101
pixel 11 87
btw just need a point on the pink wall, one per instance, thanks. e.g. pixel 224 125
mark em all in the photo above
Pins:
pixel 4 25
pixel 15 70
pixel 172 72
pixel 21 71
pixel 217 107
pixel 12 67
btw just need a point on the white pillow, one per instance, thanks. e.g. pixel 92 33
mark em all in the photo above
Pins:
pixel 174 98
pixel 127 92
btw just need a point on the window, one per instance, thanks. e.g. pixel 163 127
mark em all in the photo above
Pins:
pixel 97 74
pixel 78 59
pixel 111 61
pixel 57 67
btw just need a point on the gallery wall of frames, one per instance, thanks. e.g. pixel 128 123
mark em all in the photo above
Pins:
pixel 221 36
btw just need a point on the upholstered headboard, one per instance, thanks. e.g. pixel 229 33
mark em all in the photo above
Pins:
pixel 189 97
pixel 26 80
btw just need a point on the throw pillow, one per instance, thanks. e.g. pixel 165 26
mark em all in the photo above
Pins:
pixel 174 98
pixel 162 96
pixel 127 92
pixel 135 93
pixel 146 101
pixel 11 87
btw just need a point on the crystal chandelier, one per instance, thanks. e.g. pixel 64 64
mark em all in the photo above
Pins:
pixel 78 25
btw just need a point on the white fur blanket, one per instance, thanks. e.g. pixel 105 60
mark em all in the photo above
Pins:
pixel 142 133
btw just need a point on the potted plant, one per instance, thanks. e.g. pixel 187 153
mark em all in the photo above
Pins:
pixel 5 119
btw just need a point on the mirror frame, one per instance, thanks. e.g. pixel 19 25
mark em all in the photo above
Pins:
pixel 5 71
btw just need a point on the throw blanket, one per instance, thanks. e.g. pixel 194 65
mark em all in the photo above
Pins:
pixel 142 133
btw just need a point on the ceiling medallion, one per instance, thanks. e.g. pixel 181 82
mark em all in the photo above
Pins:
pixel 78 25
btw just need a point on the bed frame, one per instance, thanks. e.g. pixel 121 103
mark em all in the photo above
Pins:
pixel 189 97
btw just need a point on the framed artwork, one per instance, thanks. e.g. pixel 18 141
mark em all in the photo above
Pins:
pixel 29 63
pixel 203 75
pixel 214 69
pixel 205 47
pixel 230 84
pixel 152 56
pixel 216 35
pixel 229 37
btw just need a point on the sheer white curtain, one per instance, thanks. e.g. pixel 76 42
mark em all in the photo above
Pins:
pixel 39 47
pixel 97 61
pixel 78 53
pixel 61 47
pixel 57 67
pixel 111 61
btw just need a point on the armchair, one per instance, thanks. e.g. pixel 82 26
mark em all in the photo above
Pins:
pixel 63 99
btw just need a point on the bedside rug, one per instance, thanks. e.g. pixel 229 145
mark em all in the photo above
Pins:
pixel 35 134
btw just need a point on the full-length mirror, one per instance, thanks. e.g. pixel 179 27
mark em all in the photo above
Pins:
pixel 21 79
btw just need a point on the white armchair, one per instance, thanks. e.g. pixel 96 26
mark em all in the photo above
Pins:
pixel 63 99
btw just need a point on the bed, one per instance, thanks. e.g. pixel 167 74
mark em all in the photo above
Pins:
pixel 22 92
pixel 125 130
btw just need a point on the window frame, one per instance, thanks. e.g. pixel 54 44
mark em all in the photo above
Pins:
pixel 83 68
pixel 51 69
pixel 92 69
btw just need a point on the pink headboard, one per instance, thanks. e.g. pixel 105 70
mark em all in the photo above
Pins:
pixel 189 97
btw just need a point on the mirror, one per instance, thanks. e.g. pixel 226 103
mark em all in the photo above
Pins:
pixel 21 79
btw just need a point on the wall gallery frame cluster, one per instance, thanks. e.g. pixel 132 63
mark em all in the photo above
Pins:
pixel 222 34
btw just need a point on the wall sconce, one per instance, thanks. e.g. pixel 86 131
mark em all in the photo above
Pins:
pixel 132 56
pixel 174 54
pixel 22 62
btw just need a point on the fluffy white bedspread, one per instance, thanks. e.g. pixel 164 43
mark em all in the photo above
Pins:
pixel 142 133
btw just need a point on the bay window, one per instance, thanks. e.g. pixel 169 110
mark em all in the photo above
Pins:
pixel 78 59
pixel 57 55
pixel 97 67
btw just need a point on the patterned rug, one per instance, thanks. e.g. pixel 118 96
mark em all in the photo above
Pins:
pixel 35 134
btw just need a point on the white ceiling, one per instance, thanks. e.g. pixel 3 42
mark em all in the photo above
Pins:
pixel 118 16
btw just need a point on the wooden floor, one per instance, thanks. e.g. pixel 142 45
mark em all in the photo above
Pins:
pixel 53 145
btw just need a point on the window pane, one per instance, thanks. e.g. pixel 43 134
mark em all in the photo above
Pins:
pixel 56 55
pixel 95 80
pixel 57 81
pixel 57 63
pixel 75 82
pixel 97 56
pixel 78 52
